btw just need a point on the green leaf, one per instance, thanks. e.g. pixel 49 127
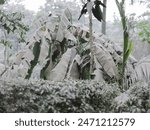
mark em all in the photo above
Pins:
pixel 97 12
pixel 126 41
pixel 2 2
pixel 140 34
pixel 129 50
pixel 36 53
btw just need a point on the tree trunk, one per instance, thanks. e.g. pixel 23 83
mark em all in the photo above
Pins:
pixel 104 17
pixel 91 36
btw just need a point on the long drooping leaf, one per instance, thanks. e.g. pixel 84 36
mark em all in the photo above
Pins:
pixel 105 60
pixel 74 72
pixel 63 26
pixel 97 12
pixel 83 11
pixel 48 65
pixel 42 60
pixel 36 53
pixel 60 71
pixel 141 71
pixel 98 73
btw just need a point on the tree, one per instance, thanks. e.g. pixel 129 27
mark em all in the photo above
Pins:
pixel 11 25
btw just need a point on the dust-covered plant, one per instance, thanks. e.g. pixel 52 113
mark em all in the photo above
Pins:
pixel 58 50
pixel 92 8
pixel 52 97
pixel 127 43
pixel 10 23
pixel 135 100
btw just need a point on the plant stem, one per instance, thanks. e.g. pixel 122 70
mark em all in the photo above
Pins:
pixel 5 51
pixel 121 9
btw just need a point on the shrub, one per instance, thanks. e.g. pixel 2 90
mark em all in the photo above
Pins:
pixel 135 100
pixel 70 96
pixel 66 96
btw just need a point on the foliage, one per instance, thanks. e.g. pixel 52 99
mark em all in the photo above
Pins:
pixel 96 10
pixel 66 96
pixel 71 96
pixel 10 22
pixel 92 8
pixel 58 50
pixel 2 2
pixel 134 100
pixel 140 71
pixel 144 31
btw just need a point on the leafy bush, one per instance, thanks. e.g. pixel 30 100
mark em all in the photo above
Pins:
pixel 71 96
pixel 135 100
pixel 65 96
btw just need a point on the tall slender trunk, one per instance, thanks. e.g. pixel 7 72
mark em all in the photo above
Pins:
pixel 91 42
pixel 104 17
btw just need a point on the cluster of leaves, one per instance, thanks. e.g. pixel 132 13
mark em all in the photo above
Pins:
pixel 2 2
pixel 136 99
pixel 10 22
pixel 65 96
pixel 11 25
pixel 144 31
pixel 96 10
pixel 59 50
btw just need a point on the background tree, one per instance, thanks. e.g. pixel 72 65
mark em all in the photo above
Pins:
pixel 104 16
pixel 12 30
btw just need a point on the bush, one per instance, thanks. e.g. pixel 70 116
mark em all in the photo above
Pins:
pixel 72 97
pixel 135 100
pixel 66 96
